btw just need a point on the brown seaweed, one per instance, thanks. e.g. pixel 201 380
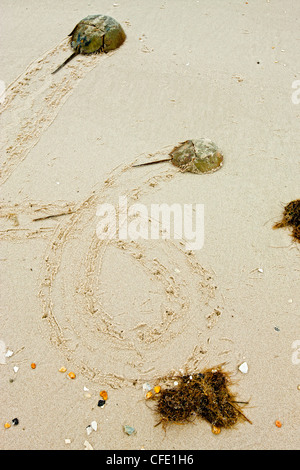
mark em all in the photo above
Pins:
pixel 291 218
pixel 204 395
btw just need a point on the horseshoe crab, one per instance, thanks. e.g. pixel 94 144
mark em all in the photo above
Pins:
pixel 95 33
pixel 195 156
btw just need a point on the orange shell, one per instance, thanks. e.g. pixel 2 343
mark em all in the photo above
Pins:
pixel 104 395
pixel 215 430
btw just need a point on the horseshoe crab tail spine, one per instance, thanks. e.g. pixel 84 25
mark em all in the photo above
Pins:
pixel 66 61
pixel 153 163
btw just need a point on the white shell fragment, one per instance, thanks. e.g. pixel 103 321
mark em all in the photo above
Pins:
pixel 94 425
pixel 88 429
pixel 91 427
pixel 146 387
pixel 244 367
pixel 87 446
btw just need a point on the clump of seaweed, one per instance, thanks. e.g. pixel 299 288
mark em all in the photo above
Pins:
pixel 203 395
pixel 291 218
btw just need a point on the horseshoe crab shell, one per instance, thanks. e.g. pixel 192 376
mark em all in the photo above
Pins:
pixel 197 156
pixel 95 33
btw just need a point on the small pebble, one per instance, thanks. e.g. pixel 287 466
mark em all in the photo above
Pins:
pixel 148 395
pixel 15 421
pixel 7 425
pixel 157 389
pixel 71 375
pixel 8 353
pixel 101 403
pixel 33 365
pixel 129 430
pixel 278 423
pixel 62 369
pixel 16 368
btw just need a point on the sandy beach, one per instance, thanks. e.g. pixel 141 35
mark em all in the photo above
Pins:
pixel 121 313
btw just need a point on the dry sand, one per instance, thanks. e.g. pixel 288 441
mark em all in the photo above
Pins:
pixel 120 314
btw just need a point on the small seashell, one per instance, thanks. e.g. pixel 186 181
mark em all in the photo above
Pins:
pixel 146 387
pixel 104 395
pixel 87 446
pixel 244 367
pixel 94 425
pixel 88 429
pixel 215 430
